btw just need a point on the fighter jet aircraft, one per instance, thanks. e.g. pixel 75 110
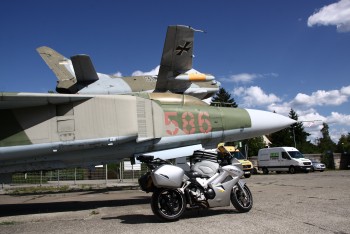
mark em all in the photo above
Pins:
pixel 53 131
pixel 176 74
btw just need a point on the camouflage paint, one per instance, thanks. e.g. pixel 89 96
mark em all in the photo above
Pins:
pixel 11 132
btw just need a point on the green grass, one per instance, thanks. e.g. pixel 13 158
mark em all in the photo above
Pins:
pixel 37 190
pixel 94 212
pixel 6 223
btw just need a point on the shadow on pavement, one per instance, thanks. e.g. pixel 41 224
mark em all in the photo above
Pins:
pixel 189 214
pixel 52 207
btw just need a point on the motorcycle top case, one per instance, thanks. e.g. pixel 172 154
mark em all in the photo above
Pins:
pixel 168 176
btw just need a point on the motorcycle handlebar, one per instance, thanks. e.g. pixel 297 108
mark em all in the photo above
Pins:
pixel 145 158
pixel 150 161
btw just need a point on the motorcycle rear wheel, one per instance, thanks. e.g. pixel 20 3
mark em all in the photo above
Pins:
pixel 239 201
pixel 168 204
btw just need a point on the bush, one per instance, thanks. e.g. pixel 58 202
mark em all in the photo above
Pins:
pixel 327 159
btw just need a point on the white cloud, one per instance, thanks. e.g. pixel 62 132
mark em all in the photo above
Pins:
pixel 303 105
pixel 338 118
pixel 255 96
pixel 323 98
pixel 117 74
pixel 345 90
pixel 239 91
pixel 243 78
pixel 313 123
pixel 338 125
pixel 337 14
pixel 280 108
pixel 246 78
pixel 153 72
pixel 310 115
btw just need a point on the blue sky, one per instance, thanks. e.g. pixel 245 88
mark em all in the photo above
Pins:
pixel 271 55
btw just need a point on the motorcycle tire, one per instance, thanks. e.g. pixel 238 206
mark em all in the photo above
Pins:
pixel 168 204
pixel 239 201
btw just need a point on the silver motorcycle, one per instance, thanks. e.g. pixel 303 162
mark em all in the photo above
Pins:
pixel 211 182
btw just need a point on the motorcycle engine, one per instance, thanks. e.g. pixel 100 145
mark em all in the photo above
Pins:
pixel 201 194
pixel 209 193
pixel 197 194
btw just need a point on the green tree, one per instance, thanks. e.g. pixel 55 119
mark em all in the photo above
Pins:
pixel 295 136
pixel 300 135
pixel 325 142
pixel 343 144
pixel 254 144
pixel 283 137
pixel 223 98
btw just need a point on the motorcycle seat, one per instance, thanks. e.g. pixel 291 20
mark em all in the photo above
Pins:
pixel 195 174
pixel 206 168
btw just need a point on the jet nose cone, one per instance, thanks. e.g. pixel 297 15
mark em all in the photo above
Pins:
pixel 265 122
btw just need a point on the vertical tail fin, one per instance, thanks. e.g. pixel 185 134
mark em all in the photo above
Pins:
pixel 61 67
pixel 176 58
pixel 84 69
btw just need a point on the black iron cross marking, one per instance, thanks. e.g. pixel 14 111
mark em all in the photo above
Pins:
pixel 180 49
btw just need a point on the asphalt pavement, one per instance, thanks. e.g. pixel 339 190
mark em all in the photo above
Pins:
pixel 316 202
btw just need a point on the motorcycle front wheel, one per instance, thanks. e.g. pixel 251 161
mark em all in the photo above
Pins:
pixel 241 202
pixel 168 204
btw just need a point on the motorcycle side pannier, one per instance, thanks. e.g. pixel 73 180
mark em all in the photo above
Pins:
pixel 146 183
pixel 168 176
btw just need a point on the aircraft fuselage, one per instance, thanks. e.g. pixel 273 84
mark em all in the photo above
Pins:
pixel 50 131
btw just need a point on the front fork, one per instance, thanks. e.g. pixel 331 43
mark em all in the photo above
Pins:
pixel 239 173
pixel 240 185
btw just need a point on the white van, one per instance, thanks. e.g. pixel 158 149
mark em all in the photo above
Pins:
pixel 282 159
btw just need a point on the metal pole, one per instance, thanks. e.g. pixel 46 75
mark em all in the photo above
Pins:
pixel 132 168
pixel 58 178
pixel 120 171
pixel 106 174
pixel 295 144
pixel 75 176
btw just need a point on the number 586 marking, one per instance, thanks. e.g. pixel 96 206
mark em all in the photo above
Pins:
pixel 188 122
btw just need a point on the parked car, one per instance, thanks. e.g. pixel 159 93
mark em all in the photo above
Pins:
pixel 280 159
pixel 317 166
